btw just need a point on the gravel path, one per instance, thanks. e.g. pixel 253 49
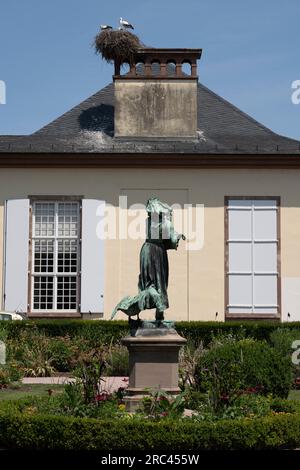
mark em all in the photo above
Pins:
pixel 109 384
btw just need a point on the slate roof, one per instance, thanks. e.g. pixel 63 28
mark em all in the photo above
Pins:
pixel 89 127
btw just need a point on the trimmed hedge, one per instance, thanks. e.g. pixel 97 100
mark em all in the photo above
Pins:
pixel 41 432
pixel 105 330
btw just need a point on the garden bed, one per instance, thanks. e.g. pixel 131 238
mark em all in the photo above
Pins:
pixel 236 386
pixel 42 432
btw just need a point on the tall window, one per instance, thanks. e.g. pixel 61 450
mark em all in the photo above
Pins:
pixel 252 257
pixel 55 256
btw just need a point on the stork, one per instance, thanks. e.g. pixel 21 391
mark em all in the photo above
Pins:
pixel 105 27
pixel 124 24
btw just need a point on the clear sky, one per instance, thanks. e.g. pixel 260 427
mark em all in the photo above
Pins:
pixel 251 53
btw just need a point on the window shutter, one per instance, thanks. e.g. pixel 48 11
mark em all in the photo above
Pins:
pixel 240 256
pixel 252 264
pixel 92 256
pixel 16 255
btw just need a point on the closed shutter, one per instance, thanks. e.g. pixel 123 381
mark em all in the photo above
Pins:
pixel 252 264
pixel 92 256
pixel 16 255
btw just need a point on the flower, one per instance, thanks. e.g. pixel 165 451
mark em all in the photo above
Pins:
pixel 30 410
pixel 122 407
pixel 225 397
pixel 101 397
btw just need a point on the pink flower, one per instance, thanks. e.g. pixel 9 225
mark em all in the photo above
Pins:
pixel 101 397
pixel 224 397
pixel 163 399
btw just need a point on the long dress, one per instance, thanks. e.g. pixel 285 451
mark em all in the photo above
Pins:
pixel 154 271
pixel 154 275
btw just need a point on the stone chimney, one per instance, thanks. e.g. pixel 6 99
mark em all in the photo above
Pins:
pixel 156 99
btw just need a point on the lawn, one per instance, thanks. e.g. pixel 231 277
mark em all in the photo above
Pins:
pixel 294 395
pixel 43 390
pixel 29 390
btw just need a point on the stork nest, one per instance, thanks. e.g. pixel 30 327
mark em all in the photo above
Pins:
pixel 117 46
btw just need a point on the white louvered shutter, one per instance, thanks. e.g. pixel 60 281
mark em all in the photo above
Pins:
pixel 16 255
pixel 252 263
pixel 92 256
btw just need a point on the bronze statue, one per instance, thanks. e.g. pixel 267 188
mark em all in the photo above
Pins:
pixel 154 266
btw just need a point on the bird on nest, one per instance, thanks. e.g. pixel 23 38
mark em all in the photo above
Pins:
pixel 105 27
pixel 124 24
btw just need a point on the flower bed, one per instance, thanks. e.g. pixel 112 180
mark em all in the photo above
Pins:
pixel 25 431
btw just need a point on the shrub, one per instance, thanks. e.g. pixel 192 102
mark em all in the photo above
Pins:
pixel 117 361
pixel 89 374
pixel 251 406
pixel 59 343
pixel 103 331
pixel 10 373
pixel 189 357
pixel 62 352
pixel 246 365
pixel 28 430
pixel 282 340
pixel 31 351
pixel 161 404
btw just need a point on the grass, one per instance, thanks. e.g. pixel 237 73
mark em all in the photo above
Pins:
pixel 294 395
pixel 21 391
pixel 14 393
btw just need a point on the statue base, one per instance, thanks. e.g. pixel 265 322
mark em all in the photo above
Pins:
pixel 153 362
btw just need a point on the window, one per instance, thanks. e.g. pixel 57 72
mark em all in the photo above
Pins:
pixel 55 256
pixel 252 273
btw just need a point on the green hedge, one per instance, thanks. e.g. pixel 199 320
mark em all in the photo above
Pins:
pixel 65 433
pixel 103 330
pixel 106 330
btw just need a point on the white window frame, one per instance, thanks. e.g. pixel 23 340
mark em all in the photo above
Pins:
pixel 252 314
pixel 55 274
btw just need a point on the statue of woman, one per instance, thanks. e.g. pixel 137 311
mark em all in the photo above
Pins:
pixel 154 265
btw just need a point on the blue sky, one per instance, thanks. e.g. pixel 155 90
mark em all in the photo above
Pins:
pixel 250 53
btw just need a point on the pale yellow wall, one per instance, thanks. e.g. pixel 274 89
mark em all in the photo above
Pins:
pixel 197 277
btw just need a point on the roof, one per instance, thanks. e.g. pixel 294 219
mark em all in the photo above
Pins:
pixel 89 128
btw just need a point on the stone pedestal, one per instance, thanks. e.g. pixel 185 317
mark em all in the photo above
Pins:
pixel 153 363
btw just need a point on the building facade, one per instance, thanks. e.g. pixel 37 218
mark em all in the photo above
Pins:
pixel 71 196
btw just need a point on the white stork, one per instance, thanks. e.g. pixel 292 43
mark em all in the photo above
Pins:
pixel 105 27
pixel 124 24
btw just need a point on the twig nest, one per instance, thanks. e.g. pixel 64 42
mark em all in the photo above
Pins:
pixel 117 46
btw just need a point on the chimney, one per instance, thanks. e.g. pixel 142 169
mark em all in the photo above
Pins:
pixel 156 100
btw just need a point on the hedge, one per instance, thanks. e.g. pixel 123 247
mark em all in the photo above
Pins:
pixel 47 432
pixel 106 330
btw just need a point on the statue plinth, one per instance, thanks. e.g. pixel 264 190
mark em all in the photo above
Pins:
pixel 153 361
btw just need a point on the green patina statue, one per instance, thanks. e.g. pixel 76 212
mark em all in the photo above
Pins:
pixel 154 266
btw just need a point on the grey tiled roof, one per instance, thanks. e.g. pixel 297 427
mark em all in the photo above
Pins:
pixel 89 127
